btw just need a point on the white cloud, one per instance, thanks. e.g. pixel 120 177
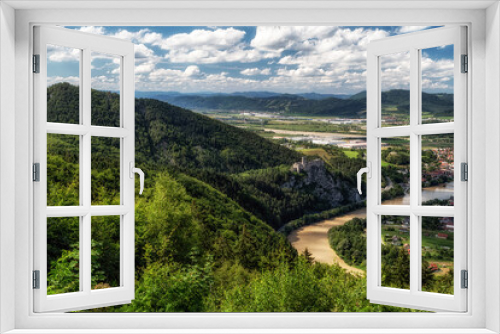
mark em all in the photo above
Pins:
pixel 209 46
pixel 437 75
pixel 92 30
pixel 236 54
pixel 58 79
pixel 151 38
pixel 200 39
pixel 345 46
pixel 144 68
pixel 133 36
pixel 333 62
pixel 60 54
pixel 289 37
pixel 142 51
pixel 163 74
pixel 256 71
pixel 323 59
pixel 395 71
pixel 106 82
pixel 302 72
pixel 192 71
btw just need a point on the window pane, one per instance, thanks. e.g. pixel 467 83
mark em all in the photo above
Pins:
pixel 395 85
pixel 105 89
pixel 395 181
pixel 437 170
pixel 105 171
pixel 63 170
pixel 437 84
pixel 437 254
pixel 63 255
pixel 63 84
pixel 105 255
pixel 395 231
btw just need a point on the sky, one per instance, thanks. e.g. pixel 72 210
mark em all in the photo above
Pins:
pixel 226 59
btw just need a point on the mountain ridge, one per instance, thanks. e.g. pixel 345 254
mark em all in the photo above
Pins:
pixel 309 104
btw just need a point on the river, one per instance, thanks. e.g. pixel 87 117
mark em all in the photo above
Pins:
pixel 438 192
pixel 314 237
pixel 317 134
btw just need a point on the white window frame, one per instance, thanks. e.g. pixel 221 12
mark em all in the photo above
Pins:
pixel 414 43
pixel 85 298
pixel 483 50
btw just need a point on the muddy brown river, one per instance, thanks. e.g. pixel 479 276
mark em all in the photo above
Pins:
pixel 315 237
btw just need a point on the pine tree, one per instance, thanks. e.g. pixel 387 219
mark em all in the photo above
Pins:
pixel 308 255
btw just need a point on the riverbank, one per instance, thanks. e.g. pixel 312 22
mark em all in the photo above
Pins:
pixel 314 237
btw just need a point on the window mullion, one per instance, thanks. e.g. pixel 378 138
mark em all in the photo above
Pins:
pixel 86 176
pixel 434 129
pixel 82 230
pixel 415 184
pixel 390 132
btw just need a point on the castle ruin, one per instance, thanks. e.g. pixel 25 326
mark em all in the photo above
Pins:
pixel 305 166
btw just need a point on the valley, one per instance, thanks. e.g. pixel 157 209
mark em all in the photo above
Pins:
pixel 219 195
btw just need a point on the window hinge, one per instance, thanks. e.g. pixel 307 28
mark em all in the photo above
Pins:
pixel 36 172
pixel 465 279
pixel 36 63
pixel 36 279
pixel 464 171
pixel 465 64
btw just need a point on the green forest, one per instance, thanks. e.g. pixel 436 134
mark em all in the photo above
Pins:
pixel 206 225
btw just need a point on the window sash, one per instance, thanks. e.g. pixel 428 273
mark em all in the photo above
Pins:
pixel 86 298
pixel 414 298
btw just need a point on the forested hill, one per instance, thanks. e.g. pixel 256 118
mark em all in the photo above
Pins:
pixel 169 135
pixel 286 103
pixel 434 104
pixel 353 107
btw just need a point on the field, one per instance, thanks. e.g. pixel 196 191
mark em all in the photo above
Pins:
pixel 296 123
pixel 351 154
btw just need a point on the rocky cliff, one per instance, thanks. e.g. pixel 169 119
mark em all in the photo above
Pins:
pixel 313 176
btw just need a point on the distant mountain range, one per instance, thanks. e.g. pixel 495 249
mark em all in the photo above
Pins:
pixel 264 102
pixel 311 104
pixel 162 96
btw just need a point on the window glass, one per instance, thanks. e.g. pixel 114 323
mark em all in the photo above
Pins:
pixel 395 181
pixel 105 252
pixel 63 170
pixel 395 85
pixel 437 66
pixel 63 84
pixel 63 255
pixel 395 231
pixel 105 89
pixel 437 254
pixel 438 170
pixel 105 171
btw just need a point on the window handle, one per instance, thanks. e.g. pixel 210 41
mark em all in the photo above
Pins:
pixel 368 171
pixel 139 171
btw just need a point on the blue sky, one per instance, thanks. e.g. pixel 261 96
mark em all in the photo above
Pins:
pixel 286 59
